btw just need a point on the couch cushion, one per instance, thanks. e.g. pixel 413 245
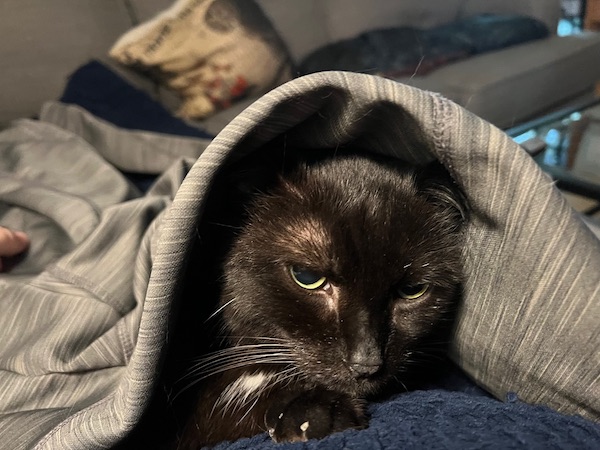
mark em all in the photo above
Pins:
pixel 43 42
pixel 531 78
pixel 292 22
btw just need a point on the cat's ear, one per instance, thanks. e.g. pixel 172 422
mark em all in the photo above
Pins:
pixel 441 189
pixel 263 169
pixel 253 174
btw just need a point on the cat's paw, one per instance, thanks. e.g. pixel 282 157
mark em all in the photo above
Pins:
pixel 313 415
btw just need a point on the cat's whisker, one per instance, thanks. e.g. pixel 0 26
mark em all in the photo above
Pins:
pixel 244 359
pixel 220 309
pixel 238 365
pixel 224 225
pixel 196 381
pixel 433 348
pixel 423 360
pixel 247 359
pixel 431 343
pixel 240 356
pixel 286 375
pixel 236 403
pixel 249 409
pixel 257 338
pixel 399 381
pixel 244 349
pixel 291 374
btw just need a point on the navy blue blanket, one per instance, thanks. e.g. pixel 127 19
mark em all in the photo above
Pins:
pixel 440 419
pixel 409 51
pixel 105 94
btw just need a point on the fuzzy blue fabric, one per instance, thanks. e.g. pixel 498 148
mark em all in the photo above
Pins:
pixel 105 94
pixel 410 51
pixel 441 419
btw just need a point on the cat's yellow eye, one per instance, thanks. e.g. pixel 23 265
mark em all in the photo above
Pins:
pixel 412 291
pixel 306 278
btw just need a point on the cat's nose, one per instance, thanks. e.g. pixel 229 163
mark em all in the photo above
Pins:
pixel 362 365
pixel 364 370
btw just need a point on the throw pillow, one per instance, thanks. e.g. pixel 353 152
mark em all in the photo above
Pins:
pixel 211 52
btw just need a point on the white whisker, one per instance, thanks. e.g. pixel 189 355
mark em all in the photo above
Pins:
pixel 249 409
pixel 248 351
pixel 222 365
pixel 258 338
pixel 275 353
pixel 220 309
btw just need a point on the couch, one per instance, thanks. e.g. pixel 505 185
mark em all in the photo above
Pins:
pixel 44 42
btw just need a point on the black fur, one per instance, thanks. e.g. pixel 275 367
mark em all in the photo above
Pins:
pixel 375 229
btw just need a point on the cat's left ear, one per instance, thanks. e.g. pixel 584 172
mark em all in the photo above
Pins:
pixel 441 189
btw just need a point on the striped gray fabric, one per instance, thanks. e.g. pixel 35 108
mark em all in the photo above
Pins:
pixel 71 310
pixel 85 316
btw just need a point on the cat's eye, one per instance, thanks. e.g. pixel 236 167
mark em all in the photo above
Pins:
pixel 412 291
pixel 306 278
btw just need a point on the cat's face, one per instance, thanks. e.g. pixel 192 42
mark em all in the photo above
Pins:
pixel 344 271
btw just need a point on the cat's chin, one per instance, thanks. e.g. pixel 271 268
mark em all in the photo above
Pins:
pixel 364 387
pixel 368 388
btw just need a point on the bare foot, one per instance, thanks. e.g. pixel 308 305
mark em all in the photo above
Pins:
pixel 12 243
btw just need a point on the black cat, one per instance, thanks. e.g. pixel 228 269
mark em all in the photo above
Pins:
pixel 342 277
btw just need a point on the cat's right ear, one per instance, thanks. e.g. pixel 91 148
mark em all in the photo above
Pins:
pixel 435 181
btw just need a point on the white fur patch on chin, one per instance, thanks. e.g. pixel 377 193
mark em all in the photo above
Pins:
pixel 237 393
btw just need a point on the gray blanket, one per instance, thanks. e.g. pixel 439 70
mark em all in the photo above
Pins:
pixel 84 316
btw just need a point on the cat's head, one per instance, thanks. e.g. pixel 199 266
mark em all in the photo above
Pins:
pixel 347 270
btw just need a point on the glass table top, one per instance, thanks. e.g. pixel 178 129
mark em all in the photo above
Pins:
pixel 566 145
